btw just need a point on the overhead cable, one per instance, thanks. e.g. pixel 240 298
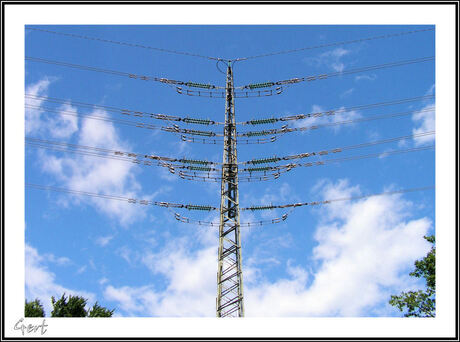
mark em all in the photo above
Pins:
pixel 124 111
pixel 334 111
pixel 73 35
pixel 210 208
pixel 351 198
pixel 122 198
pixel 359 40
pixel 116 73
pixel 138 124
pixel 284 130
pixel 288 167
pixel 114 152
pixel 275 159
pixel 338 73
pixel 265 222
pixel 143 46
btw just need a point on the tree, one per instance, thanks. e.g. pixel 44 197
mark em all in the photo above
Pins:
pixel 34 309
pixel 421 303
pixel 74 306
pixel 99 311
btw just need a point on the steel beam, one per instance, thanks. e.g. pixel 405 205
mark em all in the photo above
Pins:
pixel 229 302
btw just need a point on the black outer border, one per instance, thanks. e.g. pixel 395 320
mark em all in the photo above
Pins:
pixel 236 2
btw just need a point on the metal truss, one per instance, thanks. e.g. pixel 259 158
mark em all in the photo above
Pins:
pixel 229 301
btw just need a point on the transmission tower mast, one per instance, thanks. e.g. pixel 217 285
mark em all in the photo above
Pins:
pixel 229 302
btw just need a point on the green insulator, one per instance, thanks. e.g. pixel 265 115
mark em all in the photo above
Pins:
pixel 198 85
pixel 197 121
pixel 256 134
pixel 192 161
pixel 203 133
pixel 261 85
pixel 199 168
pixel 267 207
pixel 198 207
pixel 265 160
pixel 263 121
pixel 259 169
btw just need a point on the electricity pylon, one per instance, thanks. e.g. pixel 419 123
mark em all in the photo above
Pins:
pixel 229 302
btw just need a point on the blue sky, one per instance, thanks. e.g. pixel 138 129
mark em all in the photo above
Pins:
pixel 341 259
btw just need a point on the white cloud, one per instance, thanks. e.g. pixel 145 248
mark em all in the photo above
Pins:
pixel 431 90
pixel 343 117
pixel 64 125
pixel 127 254
pixel 41 282
pixel 86 173
pixel 331 121
pixel 81 269
pixel 371 77
pixel 332 59
pixel 104 240
pixel 347 93
pixel 425 121
pixel 135 301
pixel 59 125
pixel 363 251
pixel 57 260
pixel 190 278
pixel 103 280
pixel 33 115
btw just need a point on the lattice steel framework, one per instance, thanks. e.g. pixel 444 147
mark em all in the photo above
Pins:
pixel 229 302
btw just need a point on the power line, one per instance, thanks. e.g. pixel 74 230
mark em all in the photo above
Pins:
pixel 201 171
pixel 203 166
pixel 359 40
pixel 121 198
pixel 275 159
pixel 138 124
pixel 119 73
pixel 276 220
pixel 240 93
pixel 249 86
pixel 285 130
pixel 335 111
pixel 156 203
pixel 131 123
pixel 288 167
pixel 337 73
pixel 131 156
pixel 186 135
pixel 72 35
pixel 195 120
pixel 229 275
pixel 351 198
pixel 210 208
pixel 274 172
pixel 124 111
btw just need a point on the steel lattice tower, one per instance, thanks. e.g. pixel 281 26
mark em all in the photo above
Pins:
pixel 229 301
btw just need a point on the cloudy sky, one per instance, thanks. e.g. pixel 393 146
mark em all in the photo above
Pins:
pixel 343 259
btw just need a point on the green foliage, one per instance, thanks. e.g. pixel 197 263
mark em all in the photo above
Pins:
pixel 74 306
pixel 420 303
pixel 34 309
pixel 99 311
